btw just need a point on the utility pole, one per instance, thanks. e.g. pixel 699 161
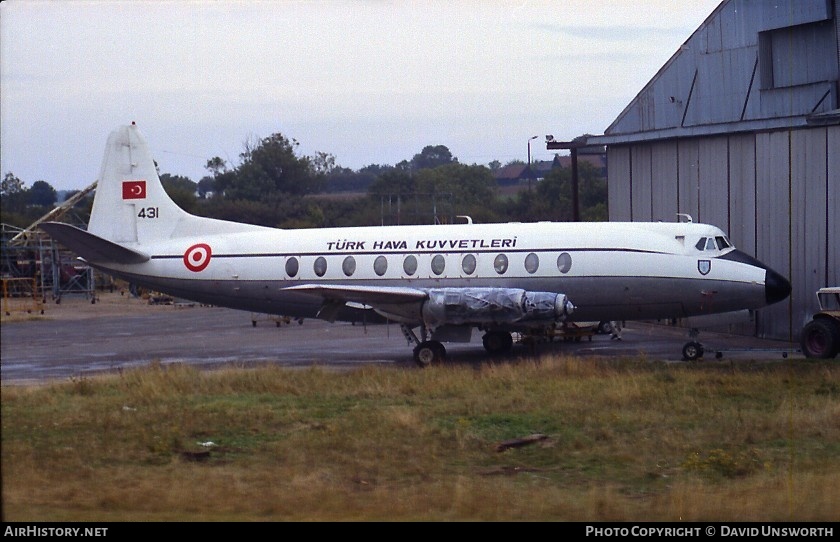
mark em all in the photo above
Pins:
pixel 530 173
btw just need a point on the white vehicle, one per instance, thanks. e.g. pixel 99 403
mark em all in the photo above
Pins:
pixel 821 336
pixel 444 280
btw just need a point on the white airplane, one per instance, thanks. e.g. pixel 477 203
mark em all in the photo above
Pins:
pixel 444 280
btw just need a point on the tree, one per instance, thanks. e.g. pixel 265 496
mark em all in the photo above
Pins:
pixel 181 189
pixel 551 198
pixel 347 180
pixel 13 201
pixel 323 164
pixel 216 166
pixel 43 194
pixel 269 169
pixel 432 157
pixel 393 182
pixel 468 184
pixel 375 169
pixel 206 186
pixel 11 185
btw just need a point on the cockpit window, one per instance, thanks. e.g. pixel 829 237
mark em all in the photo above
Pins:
pixel 713 243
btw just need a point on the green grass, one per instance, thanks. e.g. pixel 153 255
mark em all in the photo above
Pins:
pixel 627 440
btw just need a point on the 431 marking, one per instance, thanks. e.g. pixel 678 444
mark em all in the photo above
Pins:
pixel 148 212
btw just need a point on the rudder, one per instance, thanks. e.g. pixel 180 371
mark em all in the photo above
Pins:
pixel 131 205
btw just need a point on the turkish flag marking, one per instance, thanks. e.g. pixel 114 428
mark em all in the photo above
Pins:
pixel 134 189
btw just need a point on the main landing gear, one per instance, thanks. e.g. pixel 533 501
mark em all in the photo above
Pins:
pixel 497 341
pixel 426 352
pixel 431 352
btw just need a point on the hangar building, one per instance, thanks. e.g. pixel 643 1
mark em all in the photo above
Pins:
pixel 741 129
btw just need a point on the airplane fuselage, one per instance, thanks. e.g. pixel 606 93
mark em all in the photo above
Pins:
pixel 612 271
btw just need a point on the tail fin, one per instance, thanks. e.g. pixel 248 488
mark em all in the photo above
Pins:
pixel 131 205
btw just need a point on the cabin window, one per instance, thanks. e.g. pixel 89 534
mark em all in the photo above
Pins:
pixel 438 264
pixel 292 267
pixel 410 265
pixel 532 263
pixel 349 265
pixel 380 265
pixel 500 264
pixel 564 262
pixel 320 266
pixel 468 264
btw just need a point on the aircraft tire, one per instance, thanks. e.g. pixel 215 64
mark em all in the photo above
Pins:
pixel 497 342
pixel 429 353
pixel 692 351
pixel 820 339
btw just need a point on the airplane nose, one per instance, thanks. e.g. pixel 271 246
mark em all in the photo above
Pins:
pixel 776 287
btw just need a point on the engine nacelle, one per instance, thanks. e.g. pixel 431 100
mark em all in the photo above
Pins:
pixel 493 306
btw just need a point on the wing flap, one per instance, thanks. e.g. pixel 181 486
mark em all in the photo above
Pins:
pixel 366 295
pixel 91 247
pixel 398 303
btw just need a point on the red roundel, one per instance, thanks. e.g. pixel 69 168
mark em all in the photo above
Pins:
pixel 197 257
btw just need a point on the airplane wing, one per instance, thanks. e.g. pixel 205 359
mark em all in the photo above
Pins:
pixel 384 298
pixel 90 247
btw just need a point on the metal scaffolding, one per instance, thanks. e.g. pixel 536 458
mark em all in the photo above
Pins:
pixel 33 265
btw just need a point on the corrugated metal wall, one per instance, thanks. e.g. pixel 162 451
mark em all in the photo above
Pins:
pixel 750 61
pixel 776 193
pixel 772 218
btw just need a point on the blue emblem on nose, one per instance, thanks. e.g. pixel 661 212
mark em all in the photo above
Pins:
pixel 704 266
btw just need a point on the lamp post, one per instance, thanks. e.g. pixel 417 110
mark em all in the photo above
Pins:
pixel 530 173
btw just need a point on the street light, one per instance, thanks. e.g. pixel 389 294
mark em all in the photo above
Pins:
pixel 530 173
pixel 529 150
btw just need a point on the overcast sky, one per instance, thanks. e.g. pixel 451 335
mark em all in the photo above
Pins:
pixel 370 82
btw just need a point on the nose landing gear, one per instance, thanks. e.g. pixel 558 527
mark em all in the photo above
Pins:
pixel 693 350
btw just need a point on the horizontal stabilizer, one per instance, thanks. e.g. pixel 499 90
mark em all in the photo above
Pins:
pixel 90 247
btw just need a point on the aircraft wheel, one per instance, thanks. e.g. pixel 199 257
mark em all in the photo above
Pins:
pixel 692 350
pixel 428 353
pixel 496 342
pixel 820 339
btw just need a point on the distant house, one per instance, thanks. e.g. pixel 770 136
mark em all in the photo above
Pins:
pixel 517 175
pixel 596 156
pixel 512 174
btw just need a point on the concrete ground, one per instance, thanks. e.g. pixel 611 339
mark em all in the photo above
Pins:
pixel 77 338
